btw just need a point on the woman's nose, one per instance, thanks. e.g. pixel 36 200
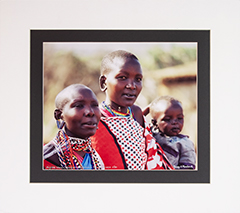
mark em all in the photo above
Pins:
pixel 131 85
pixel 89 111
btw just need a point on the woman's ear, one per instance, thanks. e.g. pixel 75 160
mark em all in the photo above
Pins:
pixel 103 83
pixel 57 114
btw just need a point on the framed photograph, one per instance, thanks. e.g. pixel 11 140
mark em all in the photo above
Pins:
pixel 174 62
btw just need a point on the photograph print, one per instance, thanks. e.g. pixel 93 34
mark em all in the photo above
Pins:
pixel 120 106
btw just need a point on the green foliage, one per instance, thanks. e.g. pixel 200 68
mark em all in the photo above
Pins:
pixel 175 56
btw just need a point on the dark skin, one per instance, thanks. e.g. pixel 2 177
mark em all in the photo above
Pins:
pixel 169 118
pixel 146 111
pixel 80 113
pixel 122 86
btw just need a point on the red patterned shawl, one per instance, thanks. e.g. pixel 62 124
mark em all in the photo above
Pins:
pixel 123 143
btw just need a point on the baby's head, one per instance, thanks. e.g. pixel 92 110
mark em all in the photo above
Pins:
pixel 77 107
pixel 121 78
pixel 167 114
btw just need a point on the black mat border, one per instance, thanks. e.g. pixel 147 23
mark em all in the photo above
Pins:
pixel 37 37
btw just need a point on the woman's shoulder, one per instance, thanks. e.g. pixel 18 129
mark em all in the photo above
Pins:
pixel 137 112
pixel 136 109
pixel 49 149
pixel 50 153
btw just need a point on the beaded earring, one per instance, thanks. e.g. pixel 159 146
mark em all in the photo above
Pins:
pixel 60 124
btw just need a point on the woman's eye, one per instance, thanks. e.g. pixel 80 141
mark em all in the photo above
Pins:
pixel 78 105
pixel 139 79
pixel 94 105
pixel 122 77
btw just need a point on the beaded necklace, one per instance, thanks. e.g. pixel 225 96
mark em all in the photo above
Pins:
pixel 115 113
pixel 65 146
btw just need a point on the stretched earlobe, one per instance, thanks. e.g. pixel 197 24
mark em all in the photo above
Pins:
pixel 102 83
pixel 58 117
pixel 57 114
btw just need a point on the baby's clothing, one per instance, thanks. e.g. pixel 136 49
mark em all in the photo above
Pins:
pixel 178 149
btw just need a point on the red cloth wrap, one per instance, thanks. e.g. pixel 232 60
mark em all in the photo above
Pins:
pixel 104 142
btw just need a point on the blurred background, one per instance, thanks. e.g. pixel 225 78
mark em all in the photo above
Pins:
pixel 168 69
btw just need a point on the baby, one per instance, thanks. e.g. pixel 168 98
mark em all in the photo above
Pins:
pixel 167 119
pixel 77 115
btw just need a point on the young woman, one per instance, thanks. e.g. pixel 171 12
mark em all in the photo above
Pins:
pixel 123 139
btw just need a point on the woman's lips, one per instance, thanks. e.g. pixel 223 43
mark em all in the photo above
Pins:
pixel 90 125
pixel 129 96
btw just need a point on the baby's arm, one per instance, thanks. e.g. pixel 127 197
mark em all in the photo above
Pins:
pixel 146 111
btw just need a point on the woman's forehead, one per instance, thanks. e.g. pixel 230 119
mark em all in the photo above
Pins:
pixel 82 92
pixel 124 64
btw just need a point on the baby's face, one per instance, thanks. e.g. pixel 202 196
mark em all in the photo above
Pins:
pixel 124 82
pixel 170 119
pixel 81 113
